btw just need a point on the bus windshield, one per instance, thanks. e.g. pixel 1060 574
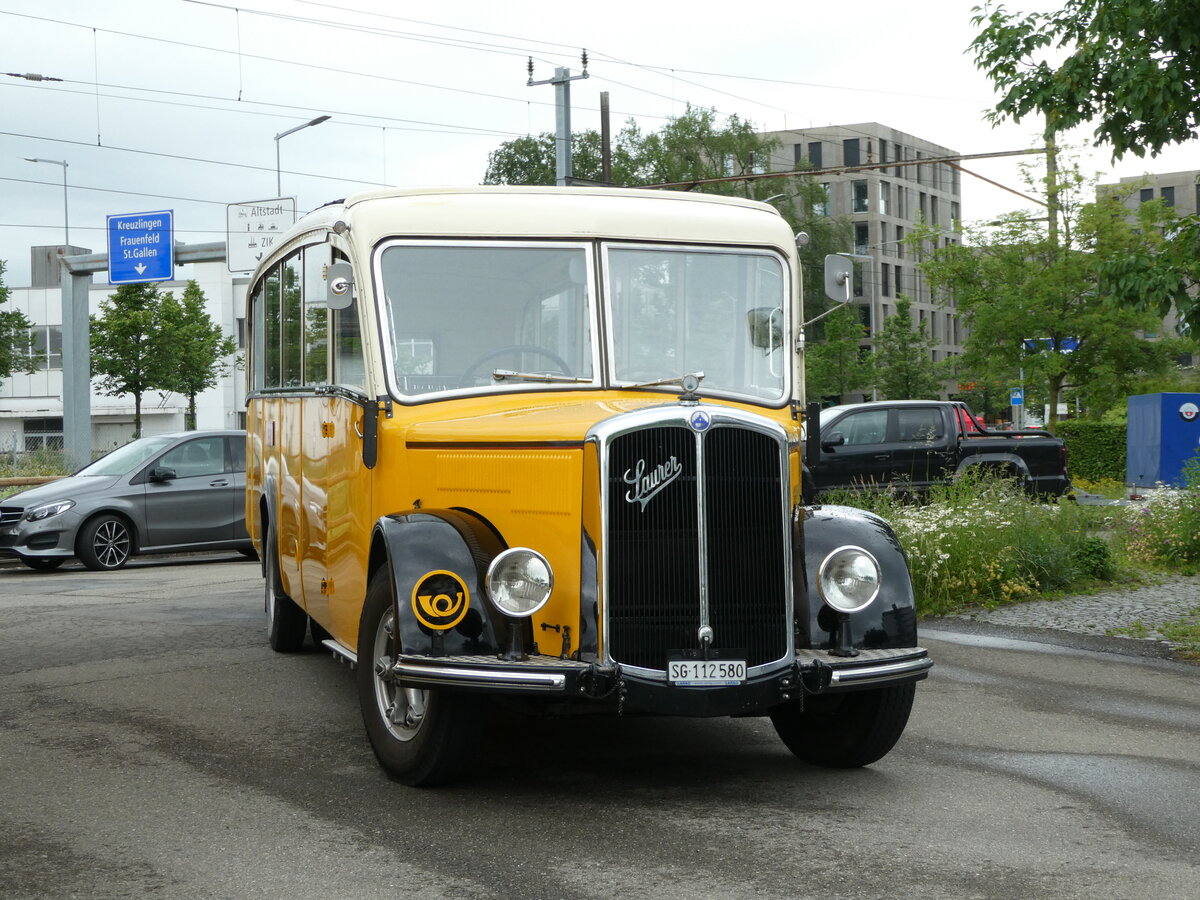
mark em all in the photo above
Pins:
pixel 683 311
pixel 486 316
pixel 476 316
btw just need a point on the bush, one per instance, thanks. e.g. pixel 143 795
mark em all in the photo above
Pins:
pixel 981 541
pixel 1095 450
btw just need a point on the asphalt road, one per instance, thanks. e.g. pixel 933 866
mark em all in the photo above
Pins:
pixel 151 745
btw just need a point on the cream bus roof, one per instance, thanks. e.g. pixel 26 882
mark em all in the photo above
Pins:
pixel 583 212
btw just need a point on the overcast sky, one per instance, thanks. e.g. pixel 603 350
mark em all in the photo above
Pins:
pixel 170 104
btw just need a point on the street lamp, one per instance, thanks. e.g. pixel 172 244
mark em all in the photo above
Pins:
pixel 66 217
pixel 317 121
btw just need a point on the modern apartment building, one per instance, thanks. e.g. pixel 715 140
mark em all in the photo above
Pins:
pixel 883 204
pixel 1180 190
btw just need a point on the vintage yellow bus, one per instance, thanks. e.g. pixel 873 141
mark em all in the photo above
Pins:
pixel 543 445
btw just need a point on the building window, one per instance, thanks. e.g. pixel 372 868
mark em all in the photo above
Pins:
pixel 850 154
pixel 858 281
pixel 864 316
pixel 899 157
pixel 797 153
pixel 1145 195
pixel 861 202
pixel 885 284
pixel 899 281
pixel 862 238
pixel 919 167
pixel 899 250
pixel 43 434
pixel 933 211
pixel 814 154
pixel 921 205
pixel 901 202
pixel 1168 196
pixel 821 207
pixel 955 217
pixel 885 199
pixel 43 349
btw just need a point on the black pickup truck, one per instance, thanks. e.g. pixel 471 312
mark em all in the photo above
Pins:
pixel 909 445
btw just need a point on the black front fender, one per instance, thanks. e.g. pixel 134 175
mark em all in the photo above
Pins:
pixel 891 620
pixel 434 556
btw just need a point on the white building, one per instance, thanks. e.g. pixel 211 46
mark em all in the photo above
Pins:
pixel 31 406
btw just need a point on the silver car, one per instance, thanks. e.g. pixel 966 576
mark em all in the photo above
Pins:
pixel 168 492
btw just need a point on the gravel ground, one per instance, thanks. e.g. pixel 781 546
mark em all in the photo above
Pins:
pixel 1106 613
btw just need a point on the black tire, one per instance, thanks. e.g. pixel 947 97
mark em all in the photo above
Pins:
pixel 848 730
pixel 287 623
pixel 105 543
pixel 421 738
pixel 318 633
pixel 43 563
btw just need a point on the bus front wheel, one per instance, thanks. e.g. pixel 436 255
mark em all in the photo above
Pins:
pixel 420 737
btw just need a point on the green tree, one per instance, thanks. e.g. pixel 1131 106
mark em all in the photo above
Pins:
pixel 1132 67
pixel 127 353
pixel 1043 304
pixel 14 336
pixel 904 364
pixel 836 366
pixel 199 347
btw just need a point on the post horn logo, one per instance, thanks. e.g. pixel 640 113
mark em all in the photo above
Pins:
pixel 440 600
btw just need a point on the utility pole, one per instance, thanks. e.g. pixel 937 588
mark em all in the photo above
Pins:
pixel 562 116
pixel 605 141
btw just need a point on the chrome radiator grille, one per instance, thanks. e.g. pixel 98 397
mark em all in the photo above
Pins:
pixel 696 525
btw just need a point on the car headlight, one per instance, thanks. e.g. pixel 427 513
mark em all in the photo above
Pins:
pixel 848 579
pixel 46 510
pixel 519 581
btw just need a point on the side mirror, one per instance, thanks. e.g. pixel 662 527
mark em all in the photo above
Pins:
pixel 839 275
pixel 339 286
pixel 766 327
pixel 162 473
pixel 833 439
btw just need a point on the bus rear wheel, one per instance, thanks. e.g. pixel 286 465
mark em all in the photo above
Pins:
pixel 420 737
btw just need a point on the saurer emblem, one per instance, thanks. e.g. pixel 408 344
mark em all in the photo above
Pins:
pixel 644 485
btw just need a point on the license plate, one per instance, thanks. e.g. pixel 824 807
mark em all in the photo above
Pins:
pixel 706 672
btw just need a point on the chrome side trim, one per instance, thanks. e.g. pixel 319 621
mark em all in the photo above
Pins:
pixel 452 676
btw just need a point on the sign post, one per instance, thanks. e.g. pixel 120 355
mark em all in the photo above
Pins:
pixel 141 247
pixel 253 227
pixel 1017 398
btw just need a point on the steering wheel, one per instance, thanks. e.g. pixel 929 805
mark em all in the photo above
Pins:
pixel 469 374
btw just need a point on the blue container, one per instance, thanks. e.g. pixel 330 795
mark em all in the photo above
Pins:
pixel 1163 433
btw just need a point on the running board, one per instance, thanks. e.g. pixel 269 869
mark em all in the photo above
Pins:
pixel 340 652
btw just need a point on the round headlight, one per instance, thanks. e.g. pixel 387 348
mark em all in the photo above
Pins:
pixel 519 581
pixel 848 579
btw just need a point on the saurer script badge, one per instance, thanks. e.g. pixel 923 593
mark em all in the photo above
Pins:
pixel 645 484
pixel 440 600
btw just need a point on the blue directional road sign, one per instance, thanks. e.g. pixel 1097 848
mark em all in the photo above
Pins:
pixel 1018 397
pixel 141 247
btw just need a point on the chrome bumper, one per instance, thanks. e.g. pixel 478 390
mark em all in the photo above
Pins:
pixel 817 671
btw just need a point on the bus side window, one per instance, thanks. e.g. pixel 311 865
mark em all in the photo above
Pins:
pixel 257 321
pixel 293 321
pixel 316 315
pixel 349 368
pixel 272 331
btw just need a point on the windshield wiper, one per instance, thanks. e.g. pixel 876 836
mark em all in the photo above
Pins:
pixel 689 382
pixel 503 374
